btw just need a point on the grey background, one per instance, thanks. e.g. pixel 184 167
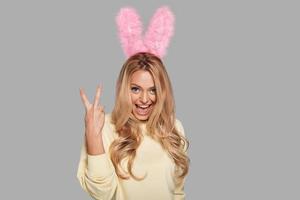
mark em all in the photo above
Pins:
pixel 234 67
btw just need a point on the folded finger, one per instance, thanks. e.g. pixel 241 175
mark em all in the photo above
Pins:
pixel 101 108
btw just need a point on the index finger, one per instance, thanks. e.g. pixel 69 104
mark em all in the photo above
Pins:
pixel 98 94
pixel 84 98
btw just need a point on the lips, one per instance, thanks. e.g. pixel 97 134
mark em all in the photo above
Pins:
pixel 143 109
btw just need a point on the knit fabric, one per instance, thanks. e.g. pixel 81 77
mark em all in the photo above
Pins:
pixel 97 176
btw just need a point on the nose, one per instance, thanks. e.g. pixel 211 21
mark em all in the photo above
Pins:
pixel 144 97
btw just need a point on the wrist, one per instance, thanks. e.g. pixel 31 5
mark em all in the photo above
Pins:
pixel 94 145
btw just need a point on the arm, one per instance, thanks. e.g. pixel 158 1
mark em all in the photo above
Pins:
pixel 179 193
pixel 96 175
pixel 95 171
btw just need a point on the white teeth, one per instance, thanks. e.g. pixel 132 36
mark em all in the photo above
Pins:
pixel 143 110
pixel 143 106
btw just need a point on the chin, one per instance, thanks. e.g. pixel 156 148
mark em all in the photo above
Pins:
pixel 141 117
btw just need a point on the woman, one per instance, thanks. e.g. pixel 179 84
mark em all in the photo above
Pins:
pixel 139 150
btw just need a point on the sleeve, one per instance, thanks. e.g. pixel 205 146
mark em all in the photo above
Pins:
pixel 96 173
pixel 179 193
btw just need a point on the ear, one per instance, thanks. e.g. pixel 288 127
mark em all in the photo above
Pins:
pixel 160 31
pixel 130 31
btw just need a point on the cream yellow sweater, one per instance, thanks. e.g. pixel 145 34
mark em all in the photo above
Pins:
pixel 97 176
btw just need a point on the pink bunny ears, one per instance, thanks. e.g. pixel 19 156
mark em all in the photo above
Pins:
pixel 155 40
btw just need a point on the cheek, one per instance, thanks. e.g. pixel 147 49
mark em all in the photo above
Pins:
pixel 134 98
pixel 153 99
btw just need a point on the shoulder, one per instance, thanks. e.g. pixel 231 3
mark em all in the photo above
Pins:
pixel 108 125
pixel 108 131
pixel 179 126
pixel 108 120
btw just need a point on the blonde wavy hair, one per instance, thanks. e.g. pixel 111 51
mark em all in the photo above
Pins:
pixel 161 122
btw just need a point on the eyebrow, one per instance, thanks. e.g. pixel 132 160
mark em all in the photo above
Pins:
pixel 134 84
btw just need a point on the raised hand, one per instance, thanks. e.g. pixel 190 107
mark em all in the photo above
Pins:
pixel 94 121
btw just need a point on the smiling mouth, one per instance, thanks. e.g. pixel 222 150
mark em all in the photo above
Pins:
pixel 143 109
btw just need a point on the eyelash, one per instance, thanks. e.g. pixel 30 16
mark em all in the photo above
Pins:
pixel 134 90
pixel 153 91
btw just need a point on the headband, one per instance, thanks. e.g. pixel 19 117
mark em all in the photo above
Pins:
pixel 155 40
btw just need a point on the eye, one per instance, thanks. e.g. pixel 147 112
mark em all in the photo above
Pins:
pixel 135 89
pixel 153 91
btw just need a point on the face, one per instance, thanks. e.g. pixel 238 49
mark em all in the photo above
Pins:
pixel 143 94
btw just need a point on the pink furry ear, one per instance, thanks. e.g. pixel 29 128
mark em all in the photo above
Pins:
pixel 130 31
pixel 156 39
pixel 160 31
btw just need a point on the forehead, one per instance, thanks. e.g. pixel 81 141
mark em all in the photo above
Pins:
pixel 142 78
